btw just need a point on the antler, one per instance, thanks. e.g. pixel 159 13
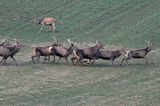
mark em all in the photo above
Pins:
pixel 55 39
pixel 148 42
pixel 97 42
pixel 69 40
pixel 15 41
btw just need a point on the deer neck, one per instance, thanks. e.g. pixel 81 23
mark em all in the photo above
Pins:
pixel 148 49
pixel 118 53
pixel 16 49
pixel 96 49
pixel 70 50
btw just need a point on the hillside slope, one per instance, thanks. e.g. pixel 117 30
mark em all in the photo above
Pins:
pixel 124 22
pixel 117 23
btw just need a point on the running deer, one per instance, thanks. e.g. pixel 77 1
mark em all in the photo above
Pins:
pixel 44 51
pixel 10 51
pixel 110 55
pixel 90 53
pixel 138 54
pixel 63 52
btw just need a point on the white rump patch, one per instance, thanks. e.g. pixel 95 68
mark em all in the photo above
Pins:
pixel 50 49
pixel 127 52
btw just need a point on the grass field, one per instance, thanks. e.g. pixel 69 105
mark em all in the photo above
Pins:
pixel 116 23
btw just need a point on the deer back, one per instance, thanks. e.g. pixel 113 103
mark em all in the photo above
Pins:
pixel 105 54
pixel 4 51
pixel 91 52
pixel 48 21
pixel 60 50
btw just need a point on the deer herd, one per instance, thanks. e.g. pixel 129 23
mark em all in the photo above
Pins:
pixel 80 56
pixel 91 54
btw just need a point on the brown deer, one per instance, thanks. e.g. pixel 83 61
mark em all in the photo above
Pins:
pixel 110 55
pixel 10 51
pixel 49 21
pixel 138 54
pixel 90 53
pixel 63 52
pixel 44 51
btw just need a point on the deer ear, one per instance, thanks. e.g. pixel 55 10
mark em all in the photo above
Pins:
pixel 54 38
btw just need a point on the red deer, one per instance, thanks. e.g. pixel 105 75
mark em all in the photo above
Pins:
pixel 86 53
pixel 110 55
pixel 44 51
pixel 63 52
pixel 46 21
pixel 138 54
pixel 10 51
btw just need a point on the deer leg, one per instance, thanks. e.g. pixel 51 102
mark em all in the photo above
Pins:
pixel 81 62
pixel 88 61
pixel 2 60
pixel 151 60
pixel 66 60
pixel 146 60
pixel 38 56
pixel 122 61
pixel 59 59
pixel 5 58
pixel 112 61
pixel 33 58
pixel 126 61
pixel 45 58
pixel 53 27
pixel 72 59
pixel 48 58
pixel 92 62
pixel 77 61
pixel 50 27
pixel 40 30
pixel 53 58
pixel 14 60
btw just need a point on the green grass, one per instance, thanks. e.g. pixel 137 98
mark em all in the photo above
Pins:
pixel 116 23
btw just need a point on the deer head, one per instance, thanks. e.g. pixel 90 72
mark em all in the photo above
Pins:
pixel 99 45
